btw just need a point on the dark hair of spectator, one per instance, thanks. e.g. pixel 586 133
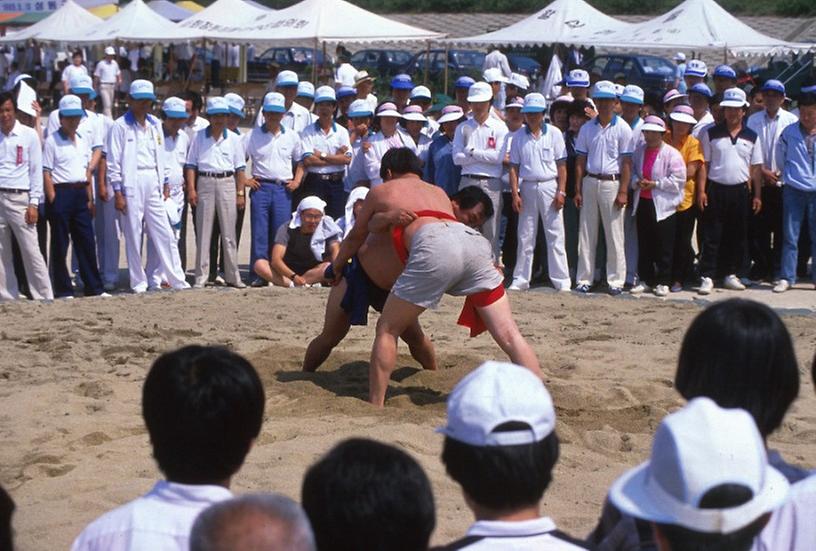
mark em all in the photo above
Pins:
pixel 368 495
pixel 470 196
pixel 502 478
pixel 203 407
pixel 6 510
pixel 578 108
pixel 807 99
pixel 8 96
pixel 400 160
pixel 194 98
pixel 559 105
pixel 739 353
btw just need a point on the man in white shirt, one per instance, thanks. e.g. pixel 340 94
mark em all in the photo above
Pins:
pixel 297 117
pixel 364 84
pixel 345 73
pixel 75 69
pixel 203 408
pixel 766 228
pixel 389 136
pixel 69 202
pixel 214 173
pixel 137 172
pixel 501 448
pixel 107 77
pixel 497 60
pixel 325 150
pixel 273 150
pixel 21 188
pixel 477 148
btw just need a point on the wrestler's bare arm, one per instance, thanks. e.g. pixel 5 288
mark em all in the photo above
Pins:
pixel 359 232
pixel 383 221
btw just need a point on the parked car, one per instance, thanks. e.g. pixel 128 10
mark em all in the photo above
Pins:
pixel 459 62
pixel 525 65
pixel 384 62
pixel 293 59
pixel 647 71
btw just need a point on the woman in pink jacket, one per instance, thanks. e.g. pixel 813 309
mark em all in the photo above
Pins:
pixel 660 175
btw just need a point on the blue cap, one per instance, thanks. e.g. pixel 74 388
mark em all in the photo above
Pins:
pixel 345 91
pixel 82 84
pixel 725 71
pixel 174 108
pixel 402 82
pixel 142 89
pixel 71 106
pixel 217 105
pixel 325 93
pixel 808 89
pixel 702 89
pixel 604 89
pixel 274 102
pixel 773 85
pixel 464 82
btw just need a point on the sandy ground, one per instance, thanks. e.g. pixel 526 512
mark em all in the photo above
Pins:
pixel 71 372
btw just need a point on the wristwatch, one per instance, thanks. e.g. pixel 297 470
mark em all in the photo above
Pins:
pixel 240 193
pixel 562 193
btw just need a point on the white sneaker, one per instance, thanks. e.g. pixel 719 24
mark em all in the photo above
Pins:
pixel 639 288
pixel 104 295
pixel 661 290
pixel 518 286
pixel 732 282
pixel 782 286
pixel 706 286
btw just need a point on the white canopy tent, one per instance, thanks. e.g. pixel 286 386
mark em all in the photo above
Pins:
pixel 223 16
pixel 64 25
pixel 570 22
pixel 136 22
pixel 700 25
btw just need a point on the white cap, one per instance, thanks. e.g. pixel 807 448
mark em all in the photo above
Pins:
pixel 174 108
pixel 217 105
pixel 494 74
pixel 534 103
pixel 653 123
pixel 734 97
pixel 481 91
pixel 236 104
pixel 632 94
pixel 360 108
pixel 142 89
pixel 519 81
pixel 388 109
pixel 306 89
pixel 683 113
pixel 496 393
pixel 81 84
pixel 696 449
pixel 413 113
pixel 110 51
pixel 325 93
pixel 679 56
pixel 604 89
pixel 696 68
pixel 310 202
pixel 450 113
pixel 577 78
pixel 274 102
pixel 421 92
pixel 360 76
pixel 672 95
pixel 71 106
pixel 286 78
pixel 619 88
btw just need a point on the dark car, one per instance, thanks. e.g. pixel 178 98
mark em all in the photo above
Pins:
pixel 524 65
pixel 647 71
pixel 459 62
pixel 292 59
pixel 384 62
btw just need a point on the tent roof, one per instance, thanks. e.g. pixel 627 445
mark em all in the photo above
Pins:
pixel 169 10
pixel 136 22
pixel 223 16
pixel 63 25
pixel 700 25
pixel 562 21
pixel 190 5
pixel 324 20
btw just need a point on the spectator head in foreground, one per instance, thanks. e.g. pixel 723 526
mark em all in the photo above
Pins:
pixel 368 495
pixel 253 522
pixel 203 407
pixel 707 485
pixel 6 510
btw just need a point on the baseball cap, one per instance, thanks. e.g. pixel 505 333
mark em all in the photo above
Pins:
pixel 519 81
pixel 174 108
pixel 653 123
pixel 632 94
pixel 274 102
pixel 110 51
pixel 71 106
pixel 517 102
pixel 534 103
pixel 236 104
pixel 496 393
pixel 413 113
pixel 402 82
pixel 672 95
pixel 421 92
pixel 679 56
pixel 696 68
pixel 305 89
pixel 481 91
pixel 603 90
pixel 702 89
pixel 808 89
pixel 619 88
pixel 361 76
pixel 286 78
pixel 325 93
pixel 142 89
pixel 345 91
pixel 217 105
pixel 734 97
pixel 464 82
pixel 773 85
pixel 360 108
pixel 493 74
pixel 388 109
pixel 81 84
pixel 725 71
pixel 450 113
pixel 696 449
pixel 578 78
pixel 683 113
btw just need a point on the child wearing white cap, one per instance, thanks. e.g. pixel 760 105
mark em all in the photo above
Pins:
pixel 388 137
pixel 107 77
pixel 501 448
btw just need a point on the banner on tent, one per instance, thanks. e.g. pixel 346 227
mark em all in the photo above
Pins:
pixel 45 6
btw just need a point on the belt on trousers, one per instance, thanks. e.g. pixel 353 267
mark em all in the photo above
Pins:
pixel 72 185
pixel 216 174
pixel 605 177
pixel 12 190
pixel 478 177
pixel 330 176
pixel 268 181
pixel 727 185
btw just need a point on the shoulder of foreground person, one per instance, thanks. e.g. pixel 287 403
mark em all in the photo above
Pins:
pixel 485 536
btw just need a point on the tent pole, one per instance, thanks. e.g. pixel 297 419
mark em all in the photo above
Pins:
pixel 725 54
pixel 323 65
pixel 427 61
pixel 445 88
pixel 314 63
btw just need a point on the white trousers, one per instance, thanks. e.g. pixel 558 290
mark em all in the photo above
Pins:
pixel 145 209
pixel 106 226
pixel 537 201
pixel 630 237
pixel 107 92
pixel 13 207
pixel 599 207
pixel 216 195
pixel 491 228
